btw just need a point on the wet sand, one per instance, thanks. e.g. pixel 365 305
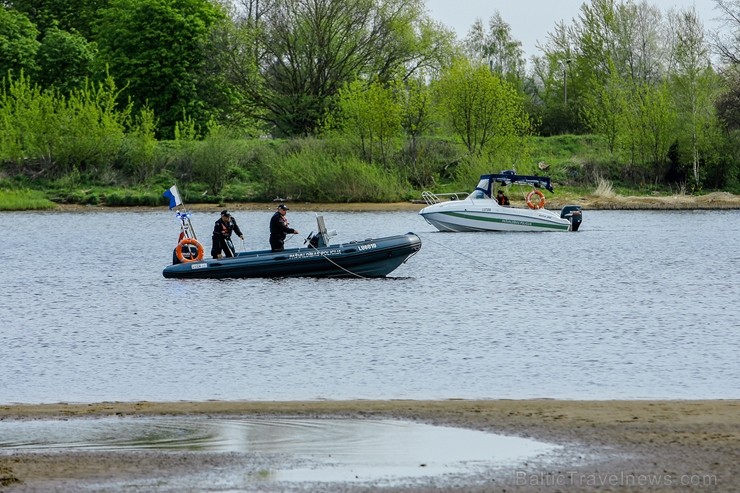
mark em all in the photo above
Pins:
pixel 608 445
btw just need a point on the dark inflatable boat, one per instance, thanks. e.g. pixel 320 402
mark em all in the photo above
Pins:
pixel 374 257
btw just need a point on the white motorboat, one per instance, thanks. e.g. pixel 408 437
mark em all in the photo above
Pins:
pixel 480 211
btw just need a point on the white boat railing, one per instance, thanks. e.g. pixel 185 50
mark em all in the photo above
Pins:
pixel 435 198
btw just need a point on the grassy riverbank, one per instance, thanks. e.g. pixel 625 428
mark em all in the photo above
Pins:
pixel 329 171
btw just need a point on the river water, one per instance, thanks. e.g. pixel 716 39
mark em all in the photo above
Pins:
pixel 636 305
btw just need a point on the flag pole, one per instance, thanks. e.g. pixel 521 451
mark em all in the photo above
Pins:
pixel 186 224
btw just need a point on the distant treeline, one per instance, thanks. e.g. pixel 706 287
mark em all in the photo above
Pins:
pixel 350 100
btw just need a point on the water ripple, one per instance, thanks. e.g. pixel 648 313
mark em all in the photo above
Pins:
pixel 639 304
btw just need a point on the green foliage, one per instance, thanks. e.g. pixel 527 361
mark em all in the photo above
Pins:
pixel 55 134
pixel 185 130
pixel 639 122
pixel 138 153
pixel 65 60
pixel 24 200
pixel 695 90
pixel 369 114
pixel 483 111
pixel 71 189
pixel 157 47
pixel 311 174
pixel 214 158
pixel 28 124
pixel 417 110
pixel 130 198
pixel 92 128
pixel 380 69
pixel 68 15
pixel 320 46
pixel 471 167
pixel 18 44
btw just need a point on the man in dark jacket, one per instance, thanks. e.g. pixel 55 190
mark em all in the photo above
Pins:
pixel 222 235
pixel 279 229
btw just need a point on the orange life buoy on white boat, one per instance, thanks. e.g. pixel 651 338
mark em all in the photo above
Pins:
pixel 189 241
pixel 536 205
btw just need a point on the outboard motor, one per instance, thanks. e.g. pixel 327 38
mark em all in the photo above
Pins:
pixel 574 214
pixel 320 239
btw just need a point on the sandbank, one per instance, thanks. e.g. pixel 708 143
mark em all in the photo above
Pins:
pixel 641 445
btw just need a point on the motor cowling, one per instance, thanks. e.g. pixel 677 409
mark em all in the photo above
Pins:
pixel 574 214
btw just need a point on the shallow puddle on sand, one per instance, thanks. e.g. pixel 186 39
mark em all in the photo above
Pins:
pixel 301 450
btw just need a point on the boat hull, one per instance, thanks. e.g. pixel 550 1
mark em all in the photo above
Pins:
pixel 369 258
pixel 465 216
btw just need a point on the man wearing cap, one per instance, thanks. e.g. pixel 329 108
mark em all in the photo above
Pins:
pixel 222 235
pixel 501 198
pixel 279 229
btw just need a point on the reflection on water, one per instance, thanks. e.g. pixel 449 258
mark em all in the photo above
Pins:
pixel 302 449
pixel 635 305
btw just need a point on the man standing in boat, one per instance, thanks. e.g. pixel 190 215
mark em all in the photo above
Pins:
pixel 222 235
pixel 279 229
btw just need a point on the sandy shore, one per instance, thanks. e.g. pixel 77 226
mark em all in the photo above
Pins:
pixel 711 201
pixel 607 445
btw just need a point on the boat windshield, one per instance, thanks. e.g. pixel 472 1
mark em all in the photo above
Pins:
pixel 484 183
pixel 483 189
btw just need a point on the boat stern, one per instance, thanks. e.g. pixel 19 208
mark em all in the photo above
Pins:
pixel 574 215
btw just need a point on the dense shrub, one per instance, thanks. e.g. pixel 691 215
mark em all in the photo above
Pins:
pixel 315 176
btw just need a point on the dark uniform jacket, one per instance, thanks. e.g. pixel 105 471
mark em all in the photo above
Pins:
pixel 222 237
pixel 224 230
pixel 279 229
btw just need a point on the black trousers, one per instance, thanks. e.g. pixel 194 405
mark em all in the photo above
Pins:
pixel 277 244
pixel 221 244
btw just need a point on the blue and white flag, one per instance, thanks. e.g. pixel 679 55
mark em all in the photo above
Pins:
pixel 174 196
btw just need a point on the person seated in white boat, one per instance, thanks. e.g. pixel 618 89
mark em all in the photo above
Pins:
pixel 501 198
pixel 279 229
pixel 222 230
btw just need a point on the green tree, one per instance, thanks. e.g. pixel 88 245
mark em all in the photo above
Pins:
pixel 417 118
pixel 555 87
pixel 18 44
pixel 68 15
pixel 604 108
pixel 482 109
pixel 216 155
pixel 55 134
pixel 728 104
pixel 65 60
pixel 303 53
pixel 695 89
pixel 496 47
pixel 370 114
pixel 155 49
pixel 650 128
pixel 579 59
pixel 638 121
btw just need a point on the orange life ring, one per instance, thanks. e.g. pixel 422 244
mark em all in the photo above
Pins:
pixel 540 203
pixel 189 241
